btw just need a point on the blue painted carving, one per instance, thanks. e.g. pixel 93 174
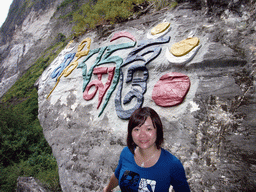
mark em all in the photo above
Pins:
pixel 67 59
pixel 121 113
pixel 155 52
pixel 132 56
pixel 142 83
pixel 133 68
pixel 144 48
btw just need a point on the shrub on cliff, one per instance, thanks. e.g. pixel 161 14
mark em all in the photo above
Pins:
pixel 23 149
pixel 103 11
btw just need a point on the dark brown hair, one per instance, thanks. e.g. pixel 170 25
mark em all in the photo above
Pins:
pixel 138 118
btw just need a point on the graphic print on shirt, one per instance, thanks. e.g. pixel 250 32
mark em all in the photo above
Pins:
pixel 131 182
pixel 147 185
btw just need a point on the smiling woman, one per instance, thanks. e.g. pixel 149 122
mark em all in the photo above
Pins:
pixel 4 9
pixel 144 165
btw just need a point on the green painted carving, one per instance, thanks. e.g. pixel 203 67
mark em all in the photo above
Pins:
pixel 87 78
pixel 103 59
pixel 118 60
pixel 113 48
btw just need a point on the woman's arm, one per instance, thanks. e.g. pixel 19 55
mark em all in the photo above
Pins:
pixel 180 183
pixel 112 184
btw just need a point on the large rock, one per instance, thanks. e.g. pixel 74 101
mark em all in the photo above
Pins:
pixel 212 131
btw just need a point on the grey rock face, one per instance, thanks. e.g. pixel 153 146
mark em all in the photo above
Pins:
pixel 29 184
pixel 212 132
pixel 34 27
pixel 26 33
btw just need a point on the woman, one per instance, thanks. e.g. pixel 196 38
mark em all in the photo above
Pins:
pixel 145 166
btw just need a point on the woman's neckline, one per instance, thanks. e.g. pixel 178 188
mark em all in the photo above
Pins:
pixel 144 161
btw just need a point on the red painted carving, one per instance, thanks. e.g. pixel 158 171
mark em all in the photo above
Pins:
pixel 99 71
pixel 171 89
pixel 122 34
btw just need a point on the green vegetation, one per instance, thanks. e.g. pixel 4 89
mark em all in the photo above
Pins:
pixel 160 4
pixel 104 11
pixel 29 3
pixel 97 12
pixel 74 6
pixel 24 151
pixel 23 148
pixel 65 3
pixel 88 15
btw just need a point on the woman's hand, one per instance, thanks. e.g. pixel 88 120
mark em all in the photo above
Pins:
pixel 112 184
pixel 105 189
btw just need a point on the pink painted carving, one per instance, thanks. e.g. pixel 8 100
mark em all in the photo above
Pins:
pixel 122 34
pixel 99 71
pixel 171 89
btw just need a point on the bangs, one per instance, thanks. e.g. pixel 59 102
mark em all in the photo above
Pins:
pixel 139 121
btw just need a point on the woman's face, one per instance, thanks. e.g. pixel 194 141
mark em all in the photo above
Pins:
pixel 145 135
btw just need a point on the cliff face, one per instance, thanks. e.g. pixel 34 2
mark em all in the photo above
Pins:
pixel 28 30
pixel 211 126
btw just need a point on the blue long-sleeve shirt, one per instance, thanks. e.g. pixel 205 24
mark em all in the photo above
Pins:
pixel 166 172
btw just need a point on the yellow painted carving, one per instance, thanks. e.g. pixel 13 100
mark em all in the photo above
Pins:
pixel 70 42
pixel 80 53
pixel 66 72
pixel 161 27
pixel 58 80
pixel 185 46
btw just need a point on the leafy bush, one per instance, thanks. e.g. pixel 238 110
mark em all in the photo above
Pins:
pixel 49 177
pixel 104 11
pixel 96 12
pixel 61 37
pixel 23 148
pixel 160 4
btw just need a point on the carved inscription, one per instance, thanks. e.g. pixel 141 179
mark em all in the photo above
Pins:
pixel 144 48
pixel 170 90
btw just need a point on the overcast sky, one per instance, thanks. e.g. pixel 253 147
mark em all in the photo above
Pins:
pixel 4 8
